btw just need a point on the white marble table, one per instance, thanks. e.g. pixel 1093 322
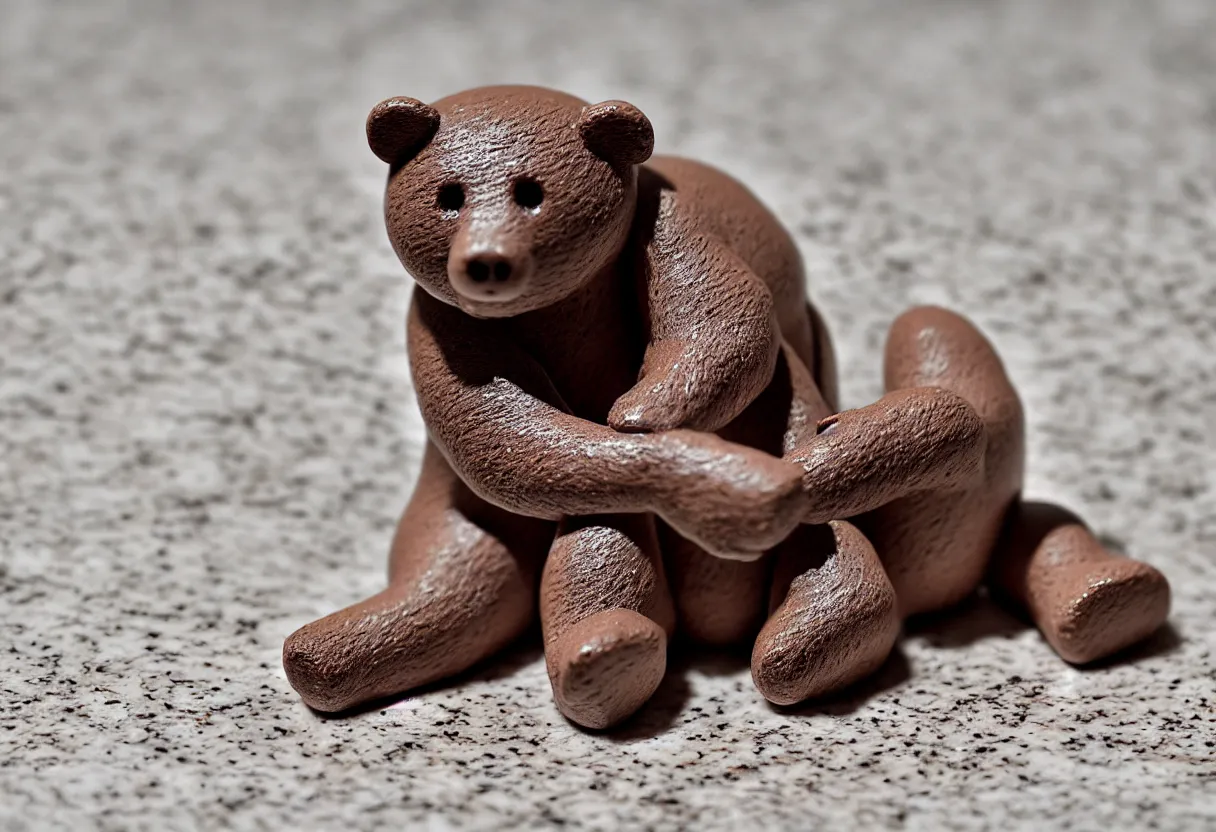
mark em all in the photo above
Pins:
pixel 207 430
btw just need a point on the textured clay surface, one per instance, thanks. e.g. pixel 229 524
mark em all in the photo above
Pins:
pixel 831 625
pixel 581 326
pixel 207 434
pixel 557 262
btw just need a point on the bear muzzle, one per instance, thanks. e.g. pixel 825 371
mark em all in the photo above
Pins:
pixel 486 279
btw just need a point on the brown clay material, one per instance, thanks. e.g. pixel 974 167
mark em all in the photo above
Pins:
pixel 607 666
pixel 508 433
pixel 909 440
pixel 835 616
pixel 935 543
pixel 616 362
pixel 720 601
pixel 562 289
pixel 598 569
pixel 1087 601
pixel 462 580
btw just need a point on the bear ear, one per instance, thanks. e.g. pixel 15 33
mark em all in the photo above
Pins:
pixel 617 132
pixel 398 127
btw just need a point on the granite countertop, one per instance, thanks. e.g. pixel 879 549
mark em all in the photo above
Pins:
pixel 207 429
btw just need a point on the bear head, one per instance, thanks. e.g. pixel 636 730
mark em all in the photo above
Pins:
pixel 502 200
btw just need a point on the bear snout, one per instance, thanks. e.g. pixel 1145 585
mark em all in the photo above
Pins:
pixel 488 276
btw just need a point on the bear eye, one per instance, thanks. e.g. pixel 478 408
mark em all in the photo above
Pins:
pixel 528 193
pixel 451 197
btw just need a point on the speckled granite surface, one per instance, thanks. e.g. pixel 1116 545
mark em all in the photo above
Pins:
pixel 206 427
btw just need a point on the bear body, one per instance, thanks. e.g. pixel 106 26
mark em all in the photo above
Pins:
pixel 592 345
pixel 631 409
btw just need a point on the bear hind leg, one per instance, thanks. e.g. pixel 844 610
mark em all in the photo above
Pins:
pixel 1088 602
pixel 462 585
pixel 606 616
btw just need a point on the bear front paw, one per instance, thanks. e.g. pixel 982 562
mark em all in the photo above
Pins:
pixel 650 409
pixel 735 502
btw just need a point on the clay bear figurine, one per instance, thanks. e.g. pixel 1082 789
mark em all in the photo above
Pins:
pixel 631 410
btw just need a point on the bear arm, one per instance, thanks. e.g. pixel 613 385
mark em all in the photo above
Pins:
pixel 714 338
pixel 496 417
pixel 855 461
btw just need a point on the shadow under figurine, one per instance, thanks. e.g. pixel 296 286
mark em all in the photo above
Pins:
pixel 632 405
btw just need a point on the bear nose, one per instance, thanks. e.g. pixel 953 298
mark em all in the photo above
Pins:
pixel 489 268
pixel 490 276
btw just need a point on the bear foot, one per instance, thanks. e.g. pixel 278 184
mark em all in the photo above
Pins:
pixel 605 667
pixel 1105 608
pixel 834 623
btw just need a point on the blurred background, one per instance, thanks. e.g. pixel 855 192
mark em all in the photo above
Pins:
pixel 207 430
